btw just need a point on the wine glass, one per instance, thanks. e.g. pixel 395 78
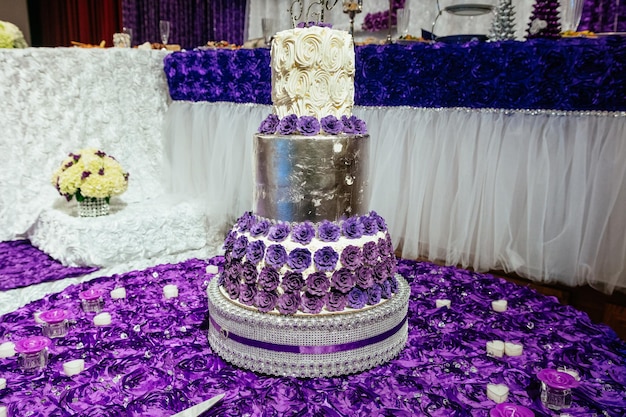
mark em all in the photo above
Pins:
pixel 351 8
pixel 404 16
pixel 164 27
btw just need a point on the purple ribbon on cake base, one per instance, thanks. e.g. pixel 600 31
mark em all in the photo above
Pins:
pixel 310 350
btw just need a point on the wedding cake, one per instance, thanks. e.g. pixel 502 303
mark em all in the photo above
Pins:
pixel 308 286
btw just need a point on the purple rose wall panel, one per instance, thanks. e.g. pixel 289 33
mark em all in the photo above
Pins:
pixel 568 74
pixel 154 358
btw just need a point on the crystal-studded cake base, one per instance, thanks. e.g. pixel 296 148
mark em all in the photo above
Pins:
pixel 308 345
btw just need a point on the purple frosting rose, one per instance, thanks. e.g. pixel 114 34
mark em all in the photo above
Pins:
pixel 373 294
pixel 336 301
pixel 303 233
pixel 364 277
pixel 230 241
pixel 370 227
pixel 380 273
pixel 325 259
pixel 359 125
pixel 266 301
pixel 351 257
pixel 348 125
pixel 249 273
pixel 288 125
pixel 289 302
pixel 383 248
pixel 276 256
pixel 393 283
pixel 357 298
pixel 255 251
pixel 232 290
pixel 260 228
pixel 343 280
pixel 299 259
pixel 247 294
pixel 317 283
pixel 379 221
pixel 313 304
pixel 269 279
pixel 240 246
pixel 328 231
pixel 352 228
pixel 269 125
pixel 331 125
pixel 386 289
pixel 279 232
pixel 292 282
pixel 370 253
pixel 308 125
pixel 245 221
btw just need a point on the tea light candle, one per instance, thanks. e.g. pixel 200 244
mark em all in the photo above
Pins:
pixel 55 323
pixel 33 352
pixel 513 349
pixel 499 305
pixel 212 269
pixel 7 350
pixel 570 371
pixel 74 367
pixel 495 348
pixel 102 319
pixel 442 303
pixel 556 388
pixel 91 300
pixel 3 383
pixel 497 393
pixel 510 410
pixel 37 315
pixel 3 411
pixel 170 291
pixel 118 293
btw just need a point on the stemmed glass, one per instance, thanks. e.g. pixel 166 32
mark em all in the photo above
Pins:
pixel 164 27
pixel 351 8
pixel 404 16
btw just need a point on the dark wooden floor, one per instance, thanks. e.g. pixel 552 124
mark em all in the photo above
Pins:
pixel 601 308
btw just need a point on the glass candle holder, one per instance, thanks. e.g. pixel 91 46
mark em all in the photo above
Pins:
pixel 33 352
pixel 91 300
pixel 55 323
pixel 556 388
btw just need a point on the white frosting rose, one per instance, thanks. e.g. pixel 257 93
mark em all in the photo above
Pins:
pixel 342 92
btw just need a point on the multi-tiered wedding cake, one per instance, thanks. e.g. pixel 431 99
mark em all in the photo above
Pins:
pixel 309 285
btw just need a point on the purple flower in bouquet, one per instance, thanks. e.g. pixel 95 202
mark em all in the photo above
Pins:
pixel 325 259
pixel 342 280
pixel 288 125
pixel 240 246
pixel 292 282
pixel 245 222
pixel 260 228
pixel 352 228
pixel 85 174
pixel 303 233
pixel 269 279
pixel 357 298
pixel 255 251
pixel 370 227
pixel 289 302
pixel 313 304
pixel 317 283
pixel 351 257
pixel 386 289
pixel 379 221
pixel 331 125
pixel 249 273
pixel 328 231
pixel 336 301
pixel 348 125
pixel 364 277
pixel 373 294
pixel 299 259
pixel 370 253
pixel 276 256
pixel 247 294
pixel 308 125
pixel 269 125
pixel 279 232
pixel 266 301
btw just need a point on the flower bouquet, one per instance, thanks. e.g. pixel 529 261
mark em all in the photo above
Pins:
pixel 11 36
pixel 93 177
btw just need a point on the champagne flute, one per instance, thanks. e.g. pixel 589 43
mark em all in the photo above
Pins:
pixel 164 27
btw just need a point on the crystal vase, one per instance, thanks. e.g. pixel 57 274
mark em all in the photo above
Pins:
pixel 93 207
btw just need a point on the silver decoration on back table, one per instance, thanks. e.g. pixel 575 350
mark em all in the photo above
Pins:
pixel 314 11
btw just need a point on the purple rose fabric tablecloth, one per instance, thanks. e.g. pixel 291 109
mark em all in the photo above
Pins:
pixel 565 74
pixel 154 359
pixel 21 265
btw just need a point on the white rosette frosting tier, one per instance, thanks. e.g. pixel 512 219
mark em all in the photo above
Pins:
pixel 307 345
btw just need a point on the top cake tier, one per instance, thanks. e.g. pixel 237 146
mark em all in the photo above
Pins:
pixel 313 72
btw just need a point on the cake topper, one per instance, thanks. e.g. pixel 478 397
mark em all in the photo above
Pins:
pixel 314 11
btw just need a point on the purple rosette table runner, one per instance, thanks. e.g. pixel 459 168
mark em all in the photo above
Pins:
pixel 566 74
pixel 154 358
pixel 22 264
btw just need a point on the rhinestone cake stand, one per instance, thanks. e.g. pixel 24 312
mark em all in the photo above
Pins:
pixel 306 345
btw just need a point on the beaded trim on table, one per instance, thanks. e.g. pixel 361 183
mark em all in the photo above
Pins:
pixel 93 207
pixel 269 332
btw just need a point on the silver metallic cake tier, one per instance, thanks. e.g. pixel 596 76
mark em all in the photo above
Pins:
pixel 315 178
pixel 304 345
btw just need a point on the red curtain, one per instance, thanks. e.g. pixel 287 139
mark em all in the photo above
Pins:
pixel 58 22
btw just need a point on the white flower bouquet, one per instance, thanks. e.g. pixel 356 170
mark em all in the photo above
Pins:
pixel 11 36
pixel 90 173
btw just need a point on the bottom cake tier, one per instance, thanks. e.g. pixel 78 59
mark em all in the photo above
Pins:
pixel 307 345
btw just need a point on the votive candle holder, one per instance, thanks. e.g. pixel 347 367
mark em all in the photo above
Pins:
pixel 33 352
pixel 91 300
pixel 55 323
pixel 556 388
